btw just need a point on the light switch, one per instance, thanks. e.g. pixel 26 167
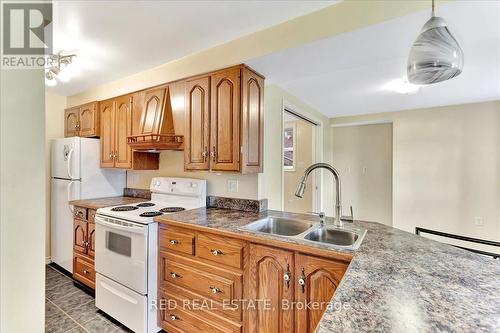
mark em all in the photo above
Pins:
pixel 232 185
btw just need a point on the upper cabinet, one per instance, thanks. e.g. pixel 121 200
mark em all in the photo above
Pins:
pixel 116 125
pixel 82 120
pixel 224 121
pixel 197 138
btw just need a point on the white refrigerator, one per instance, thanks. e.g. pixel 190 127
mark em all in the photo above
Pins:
pixel 76 174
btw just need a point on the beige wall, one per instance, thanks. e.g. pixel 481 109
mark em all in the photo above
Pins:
pixel 446 168
pixel 303 158
pixel 54 129
pixel 172 165
pixel 363 157
pixel 22 200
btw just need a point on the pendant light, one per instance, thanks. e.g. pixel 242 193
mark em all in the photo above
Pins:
pixel 435 55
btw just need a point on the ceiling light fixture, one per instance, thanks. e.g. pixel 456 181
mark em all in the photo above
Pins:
pixel 57 67
pixel 401 86
pixel 435 55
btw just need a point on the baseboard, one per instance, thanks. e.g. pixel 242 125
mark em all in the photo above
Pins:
pixel 47 260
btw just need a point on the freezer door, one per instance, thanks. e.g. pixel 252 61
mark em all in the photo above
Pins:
pixel 61 221
pixel 65 155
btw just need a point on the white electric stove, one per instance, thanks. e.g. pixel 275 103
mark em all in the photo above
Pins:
pixel 127 251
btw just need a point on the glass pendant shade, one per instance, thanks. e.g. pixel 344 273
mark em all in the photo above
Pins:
pixel 435 55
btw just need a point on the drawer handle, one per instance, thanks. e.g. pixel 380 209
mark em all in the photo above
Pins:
pixel 85 271
pixel 216 252
pixel 174 275
pixel 215 290
pixel 174 317
pixel 174 241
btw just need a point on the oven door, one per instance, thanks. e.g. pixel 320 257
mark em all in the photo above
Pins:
pixel 121 252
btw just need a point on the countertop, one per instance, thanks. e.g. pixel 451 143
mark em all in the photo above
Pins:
pixel 396 281
pixel 106 202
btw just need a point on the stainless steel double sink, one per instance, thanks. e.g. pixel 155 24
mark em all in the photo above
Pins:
pixel 349 236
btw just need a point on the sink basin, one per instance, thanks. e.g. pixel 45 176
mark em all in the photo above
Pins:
pixel 279 226
pixel 333 236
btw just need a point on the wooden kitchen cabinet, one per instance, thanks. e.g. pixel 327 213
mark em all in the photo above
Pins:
pixel 116 125
pixel 270 277
pixel 224 121
pixel 84 246
pixel 196 146
pixel 82 120
pixel 318 279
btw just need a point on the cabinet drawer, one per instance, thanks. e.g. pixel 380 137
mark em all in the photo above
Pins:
pixel 91 215
pixel 226 251
pixel 179 240
pixel 80 212
pixel 83 271
pixel 205 280
pixel 174 317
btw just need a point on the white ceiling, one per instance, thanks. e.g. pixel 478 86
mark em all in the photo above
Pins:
pixel 114 39
pixel 344 75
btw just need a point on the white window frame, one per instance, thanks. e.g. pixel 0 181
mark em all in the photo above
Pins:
pixel 293 148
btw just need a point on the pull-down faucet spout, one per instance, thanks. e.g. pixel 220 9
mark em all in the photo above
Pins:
pixel 302 187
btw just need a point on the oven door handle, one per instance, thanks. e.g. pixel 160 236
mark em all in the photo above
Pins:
pixel 128 228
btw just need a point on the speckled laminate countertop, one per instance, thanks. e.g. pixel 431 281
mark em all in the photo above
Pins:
pixel 396 282
pixel 106 202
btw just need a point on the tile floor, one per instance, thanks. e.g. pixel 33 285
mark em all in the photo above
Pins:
pixel 70 309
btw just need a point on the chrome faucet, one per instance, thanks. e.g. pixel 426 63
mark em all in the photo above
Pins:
pixel 302 187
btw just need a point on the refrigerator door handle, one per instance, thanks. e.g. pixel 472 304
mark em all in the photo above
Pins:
pixel 69 159
pixel 69 195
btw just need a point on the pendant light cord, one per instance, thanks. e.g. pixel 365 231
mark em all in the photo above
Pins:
pixel 433 8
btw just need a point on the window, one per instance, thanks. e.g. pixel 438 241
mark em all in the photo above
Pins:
pixel 289 148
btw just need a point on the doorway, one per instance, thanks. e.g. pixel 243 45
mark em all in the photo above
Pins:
pixel 298 153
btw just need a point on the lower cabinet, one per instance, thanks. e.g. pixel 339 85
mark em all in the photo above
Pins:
pixel 238 286
pixel 84 246
pixel 270 285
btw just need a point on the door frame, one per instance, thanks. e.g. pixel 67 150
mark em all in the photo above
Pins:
pixel 317 150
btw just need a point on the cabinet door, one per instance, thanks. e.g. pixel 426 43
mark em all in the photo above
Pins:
pixel 197 140
pixel 152 111
pixel 91 239
pixel 71 122
pixel 107 133
pixel 266 281
pixel 123 129
pixel 321 278
pixel 252 122
pixel 79 236
pixel 89 120
pixel 225 120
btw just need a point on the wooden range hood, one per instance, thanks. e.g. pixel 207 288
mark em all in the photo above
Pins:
pixel 156 126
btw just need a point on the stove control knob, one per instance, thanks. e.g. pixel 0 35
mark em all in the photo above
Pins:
pixel 157 183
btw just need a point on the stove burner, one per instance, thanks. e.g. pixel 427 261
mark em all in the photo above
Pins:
pixel 124 208
pixel 145 204
pixel 172 209
pixel 150 214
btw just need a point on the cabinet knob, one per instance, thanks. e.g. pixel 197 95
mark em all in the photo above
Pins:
pixel 216 252
pixel 174 317
pixel 85 271
pixel 174 275
pixel 215 290
pixel 286 276
pixel 204 154
pixel 174 241
pixel 302 280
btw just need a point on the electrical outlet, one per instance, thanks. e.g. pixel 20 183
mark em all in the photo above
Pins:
pixel 478 221
pixel 232 185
